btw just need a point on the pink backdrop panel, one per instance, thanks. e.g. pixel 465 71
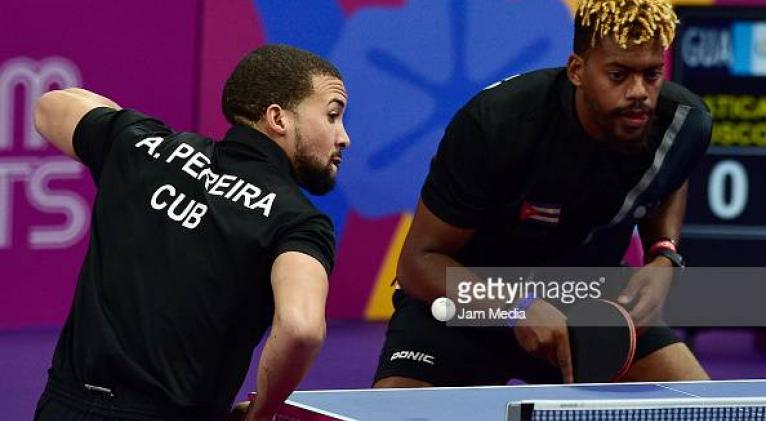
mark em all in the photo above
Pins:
pixel 142 54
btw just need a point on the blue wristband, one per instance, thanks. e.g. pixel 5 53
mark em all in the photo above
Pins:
pixel 521 305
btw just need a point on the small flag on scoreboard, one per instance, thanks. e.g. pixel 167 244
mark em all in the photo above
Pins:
pixel 748 49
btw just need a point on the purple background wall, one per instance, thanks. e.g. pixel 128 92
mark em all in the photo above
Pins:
pixel 141 53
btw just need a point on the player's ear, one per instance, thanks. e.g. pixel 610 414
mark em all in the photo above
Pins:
pixel 575 67
pixel 276 119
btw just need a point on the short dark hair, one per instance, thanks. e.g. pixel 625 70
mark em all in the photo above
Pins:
pixel 272 74
pixel 628 21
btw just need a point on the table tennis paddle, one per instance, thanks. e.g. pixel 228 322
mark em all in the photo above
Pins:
pixel 602 339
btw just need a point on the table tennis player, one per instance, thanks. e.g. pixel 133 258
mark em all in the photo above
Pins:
pixel 197 247
pixel 555 167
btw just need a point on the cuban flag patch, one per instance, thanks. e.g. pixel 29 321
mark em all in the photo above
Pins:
pixel 546 213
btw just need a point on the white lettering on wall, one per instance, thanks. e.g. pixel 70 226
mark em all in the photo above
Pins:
pixel 21 163
pixel 34 78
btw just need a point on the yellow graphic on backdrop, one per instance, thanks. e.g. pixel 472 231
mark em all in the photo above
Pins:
pixel 379 306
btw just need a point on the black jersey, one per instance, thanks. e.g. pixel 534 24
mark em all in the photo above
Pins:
pixel 175 291
pixel 516 165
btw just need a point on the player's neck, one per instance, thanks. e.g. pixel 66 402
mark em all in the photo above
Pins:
pixel 265 130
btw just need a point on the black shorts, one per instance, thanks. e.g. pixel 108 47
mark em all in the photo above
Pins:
pixel 418 346
pixel 65 401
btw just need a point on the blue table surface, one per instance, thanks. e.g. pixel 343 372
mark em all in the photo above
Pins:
pixel 489 403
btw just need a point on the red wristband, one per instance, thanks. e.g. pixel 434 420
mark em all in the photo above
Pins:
pixel 662 244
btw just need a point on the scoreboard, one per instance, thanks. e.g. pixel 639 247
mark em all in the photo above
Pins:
pixel 720 54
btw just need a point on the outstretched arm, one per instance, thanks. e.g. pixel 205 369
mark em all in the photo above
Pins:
pixel 58 112
pixel 666 224
pixel 647 289
pixel 427 253
pixel 299 283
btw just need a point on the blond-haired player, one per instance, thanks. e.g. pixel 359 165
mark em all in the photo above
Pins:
pixel 555 168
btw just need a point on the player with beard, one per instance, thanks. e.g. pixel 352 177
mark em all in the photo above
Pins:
pixel 197 247
pixel 555 168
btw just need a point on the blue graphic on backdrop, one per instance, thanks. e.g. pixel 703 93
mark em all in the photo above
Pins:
pixel 408 70
pixel 312 25
pixel 315 27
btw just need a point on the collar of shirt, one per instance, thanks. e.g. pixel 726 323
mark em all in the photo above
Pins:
pixel 258 146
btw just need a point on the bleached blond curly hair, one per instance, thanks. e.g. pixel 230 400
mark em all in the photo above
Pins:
pixel 630 22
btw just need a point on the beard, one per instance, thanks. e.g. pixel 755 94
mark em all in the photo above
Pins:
pixel 310 171
pixel 634 144
pixel 618 140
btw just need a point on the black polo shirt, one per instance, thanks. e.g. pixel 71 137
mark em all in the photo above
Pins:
pixel 175 290
pixel 516 165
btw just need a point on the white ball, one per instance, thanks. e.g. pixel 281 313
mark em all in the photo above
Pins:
pixel 443 309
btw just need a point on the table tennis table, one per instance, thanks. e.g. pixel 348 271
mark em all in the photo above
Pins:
pixel 491 403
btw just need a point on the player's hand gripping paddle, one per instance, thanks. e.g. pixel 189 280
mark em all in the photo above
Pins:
pixel 602 339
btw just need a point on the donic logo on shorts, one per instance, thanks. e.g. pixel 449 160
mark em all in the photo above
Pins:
pixel 414 356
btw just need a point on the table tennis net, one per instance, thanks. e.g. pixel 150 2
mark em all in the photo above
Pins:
pixel 731 409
